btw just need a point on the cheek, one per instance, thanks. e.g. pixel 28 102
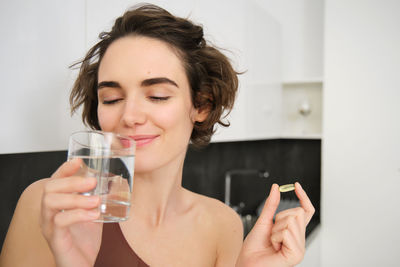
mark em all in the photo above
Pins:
pixel 177 117
pixel 106 120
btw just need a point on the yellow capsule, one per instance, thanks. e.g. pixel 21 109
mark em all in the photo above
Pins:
pixel 286 188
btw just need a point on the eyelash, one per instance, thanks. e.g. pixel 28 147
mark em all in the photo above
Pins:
pixel 152 98
pixel 159 98
pixel 110 102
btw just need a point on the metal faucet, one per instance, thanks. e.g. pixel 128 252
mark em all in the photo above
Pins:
pixel 228 178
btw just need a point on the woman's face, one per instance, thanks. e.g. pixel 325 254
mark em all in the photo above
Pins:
pixel 144 93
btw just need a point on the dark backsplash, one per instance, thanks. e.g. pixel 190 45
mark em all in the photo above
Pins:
pixel 286 161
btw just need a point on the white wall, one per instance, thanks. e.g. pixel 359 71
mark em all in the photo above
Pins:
pixel 361 144
pixel 39 40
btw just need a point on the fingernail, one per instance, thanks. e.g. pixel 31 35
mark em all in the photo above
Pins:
pixel 299 185
pixel 93 199
pixel 76 160
pixel 90 180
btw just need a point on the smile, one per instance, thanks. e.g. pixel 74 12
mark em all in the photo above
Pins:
pixel 142 140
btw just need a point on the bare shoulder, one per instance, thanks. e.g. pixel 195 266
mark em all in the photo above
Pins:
pixel 29 203
pixel 222 213
pixel 24 233
pixel 34 190
pixel 227 227
pixel 30 200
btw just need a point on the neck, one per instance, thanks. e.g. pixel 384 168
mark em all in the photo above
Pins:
pixel 158 195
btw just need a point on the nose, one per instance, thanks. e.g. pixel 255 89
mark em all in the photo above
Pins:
pixel 134 113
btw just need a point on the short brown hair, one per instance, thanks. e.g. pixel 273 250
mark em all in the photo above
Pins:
pixel 212 79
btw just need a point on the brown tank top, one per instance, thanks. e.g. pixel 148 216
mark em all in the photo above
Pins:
pixel 115 250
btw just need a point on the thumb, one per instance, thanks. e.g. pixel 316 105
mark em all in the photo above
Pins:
pixel 270 206
pixel 260 235
pixel 68 168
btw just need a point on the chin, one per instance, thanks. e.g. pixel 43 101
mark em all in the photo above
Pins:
pixel 146 166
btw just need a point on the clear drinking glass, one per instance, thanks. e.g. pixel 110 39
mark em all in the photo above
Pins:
pixel 110 158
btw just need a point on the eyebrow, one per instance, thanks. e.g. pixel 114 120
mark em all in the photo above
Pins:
pixel 108 84
pixel 145 83
pixel 158 80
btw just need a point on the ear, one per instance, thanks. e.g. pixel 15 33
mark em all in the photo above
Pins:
pixel 200 115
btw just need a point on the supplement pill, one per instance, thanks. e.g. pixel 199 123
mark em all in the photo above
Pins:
pixel 286 188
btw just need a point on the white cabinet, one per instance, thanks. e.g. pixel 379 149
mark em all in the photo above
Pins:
pixel 258 109
pixel 302 37
pixel 302 109
pixel 301 24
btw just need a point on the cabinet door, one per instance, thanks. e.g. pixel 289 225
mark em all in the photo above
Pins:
pixel 263 51
pixel 257 113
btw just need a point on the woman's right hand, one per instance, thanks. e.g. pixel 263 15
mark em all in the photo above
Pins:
pixel 67 217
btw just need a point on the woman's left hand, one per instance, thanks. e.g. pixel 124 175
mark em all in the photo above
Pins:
pixel 279 244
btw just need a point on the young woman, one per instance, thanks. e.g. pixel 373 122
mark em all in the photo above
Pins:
pixel 152 77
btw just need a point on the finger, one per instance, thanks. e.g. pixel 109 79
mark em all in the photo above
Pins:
pixel 292 224
pixel 270 206
pixel 304 202
pixel 260 235
pixel 60 201
pixel 298 213
pixel 275 244
pixel 54 203
pixel 70 184
pixel 288 245
pixel 70 217
pixel 284 224
pixel 277 239
pixel 68 168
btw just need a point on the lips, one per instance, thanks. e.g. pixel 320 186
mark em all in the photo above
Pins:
pixel 142 140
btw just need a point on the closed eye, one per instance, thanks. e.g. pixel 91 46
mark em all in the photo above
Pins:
pixel 110 102
pixel 159 98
